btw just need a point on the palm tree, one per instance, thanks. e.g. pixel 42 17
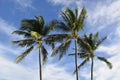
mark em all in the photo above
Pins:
pixel 88 46
pixel 34 31
pixel 72 24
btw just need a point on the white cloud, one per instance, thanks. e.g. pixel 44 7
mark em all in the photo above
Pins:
pixel 104 15
pixel 62 2
pixel 54 72
pixel 66 2
pixel 11 71
pixel 24 3
pixel 6 27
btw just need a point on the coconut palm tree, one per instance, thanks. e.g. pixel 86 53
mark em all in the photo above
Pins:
pixel 88 46
pixel 34 31
pixel 72 23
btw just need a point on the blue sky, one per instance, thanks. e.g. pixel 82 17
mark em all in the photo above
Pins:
pixel 102 16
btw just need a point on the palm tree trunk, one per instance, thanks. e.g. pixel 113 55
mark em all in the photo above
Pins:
pixel 40 64
pixel 92 62
pixel 76 57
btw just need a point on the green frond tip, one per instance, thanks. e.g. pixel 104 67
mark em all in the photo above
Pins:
pixel 41 20
pixel 106 61
pixel 23 55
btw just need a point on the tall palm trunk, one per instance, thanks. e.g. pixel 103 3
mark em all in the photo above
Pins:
pixel 76 60
pixel 92 62
pixel 40 64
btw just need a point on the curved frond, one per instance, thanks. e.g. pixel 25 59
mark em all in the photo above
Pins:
pixel 62 26
pixel 44 54
pixel 106 61
pixel 28 24
pixel 23 55
pixel 41 20
pixel 70 14
pixel 82 64
pixel 23 43
pixel 84 45
pixel 62 49
pixel 96 36
pixel 23 33
pixel 66 19
pixel 81 18
pixel 55 38
pixel 100 41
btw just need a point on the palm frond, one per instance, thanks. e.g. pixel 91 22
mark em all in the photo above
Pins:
pixel 81 18
pixel 96 36
pixel 62 49
pixel 100 41
pixel 40 20
pixel 62 26
pixel 28 24
pixel 23 55
pixel 84 45
pixel 44 54
pixel 106 61
pixel 23 43
pixel 76 13
pixel 70 14
pixel 23 33
pixel 66 19
pixel 56 38
pixel 82 64
pixel 73 54
pixel 45 31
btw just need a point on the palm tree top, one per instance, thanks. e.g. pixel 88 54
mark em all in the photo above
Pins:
pixel 74 20
pixel 88 45
pixel 34 31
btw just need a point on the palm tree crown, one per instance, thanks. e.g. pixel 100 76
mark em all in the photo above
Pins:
pixel 88 45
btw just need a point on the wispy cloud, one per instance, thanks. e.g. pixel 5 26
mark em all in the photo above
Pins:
pixel 6 27
pixel 24 3
pixel 104 14
pixel 66 2
pixel 11 71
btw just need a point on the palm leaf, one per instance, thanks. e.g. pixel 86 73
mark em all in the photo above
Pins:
pixel 70 14
pixel 84 45
pixel 61 49
pixel 96 36
pixel 81 18
pixel 25 42
pixel 44 54
pixel 23 33
pixel 66 19
pixel 55 38
pixel 24 54
pixel 62 26
pixel 41 20
pixel 100 41
pixel 82 64
pixel 28 24
pixel 106 61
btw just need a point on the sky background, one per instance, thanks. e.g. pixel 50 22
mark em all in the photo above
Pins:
pixel 102 16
